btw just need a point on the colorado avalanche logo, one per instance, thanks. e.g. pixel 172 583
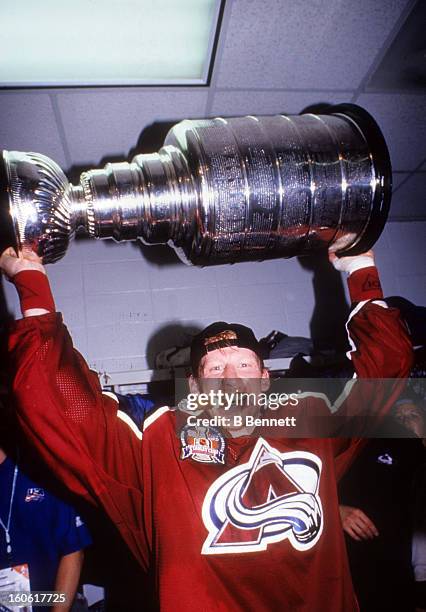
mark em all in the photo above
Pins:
pixel 271 498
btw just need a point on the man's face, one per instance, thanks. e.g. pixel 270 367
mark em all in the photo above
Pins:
pixel 232 370
pixel 231 362
pixel 411 416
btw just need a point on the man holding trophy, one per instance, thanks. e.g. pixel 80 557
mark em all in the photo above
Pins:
pixel 231 520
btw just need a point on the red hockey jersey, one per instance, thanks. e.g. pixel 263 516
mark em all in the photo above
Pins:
pixel 260 531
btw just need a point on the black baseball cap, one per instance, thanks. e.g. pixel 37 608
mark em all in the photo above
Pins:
pixel 220 335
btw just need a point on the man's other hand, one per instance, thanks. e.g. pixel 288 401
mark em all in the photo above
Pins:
pixel 357 524
pixel 11 263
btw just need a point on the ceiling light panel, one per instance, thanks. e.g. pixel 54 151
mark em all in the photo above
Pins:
pixel 107 42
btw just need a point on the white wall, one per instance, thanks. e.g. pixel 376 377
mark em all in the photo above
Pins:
pixel 116 299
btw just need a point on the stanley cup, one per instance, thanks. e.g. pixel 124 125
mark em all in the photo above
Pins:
pixel 218 191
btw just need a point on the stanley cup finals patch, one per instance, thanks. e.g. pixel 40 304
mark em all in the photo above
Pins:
pixel 203 444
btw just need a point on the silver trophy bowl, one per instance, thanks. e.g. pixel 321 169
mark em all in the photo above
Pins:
pixel 218 191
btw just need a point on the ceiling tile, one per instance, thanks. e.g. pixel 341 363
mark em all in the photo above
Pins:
pixel 295 44
pixel 28 124
pixel 234 103
pixel 398 178
pixel 408 202
pixel 101 124
pixel 408 246
pixel 403 66
pixel 402 120
pixel 412 287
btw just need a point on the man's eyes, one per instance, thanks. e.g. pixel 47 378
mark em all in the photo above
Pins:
pixel 220 367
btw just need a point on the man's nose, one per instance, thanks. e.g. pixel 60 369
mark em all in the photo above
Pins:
pixel 230 371
pixel 231 382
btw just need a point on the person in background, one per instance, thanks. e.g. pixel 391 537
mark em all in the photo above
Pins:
pixel 377 498
pixel 39 534
pixel 412 415
pixel 136 405
pixel 419 538
pixel 42 538
pixel 409 413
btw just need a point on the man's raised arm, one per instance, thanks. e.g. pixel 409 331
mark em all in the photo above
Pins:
pixel 79 431
pixel 380 345
pixel 381 353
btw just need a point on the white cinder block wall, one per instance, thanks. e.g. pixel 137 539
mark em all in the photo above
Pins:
pixel 122 305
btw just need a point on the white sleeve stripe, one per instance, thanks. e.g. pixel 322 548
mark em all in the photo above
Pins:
pixel 111 395
pixel 125 417
pixel 335 406
pixel 154 416
pixel 352 314
pixel 381 303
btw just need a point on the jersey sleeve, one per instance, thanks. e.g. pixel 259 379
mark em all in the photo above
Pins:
pixel 380 344
pixel 80 433
pixel 381 352
pixel 382 355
